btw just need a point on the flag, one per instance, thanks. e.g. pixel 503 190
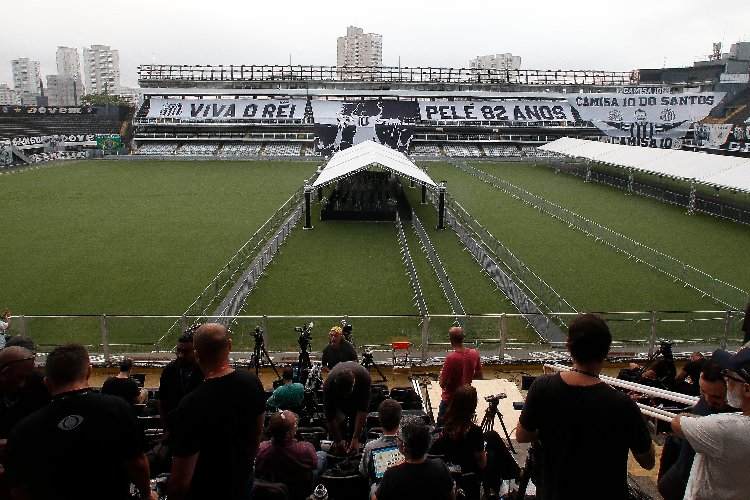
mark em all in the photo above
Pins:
pixel 109 143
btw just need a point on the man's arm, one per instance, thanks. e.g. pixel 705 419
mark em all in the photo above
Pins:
pixel 138 472
pixel 359 423
pixel 478 373
pixel 525 436
pixel 681 376
pixel 165 438
pixel 646 460
pixel 677 428
pixel 333 429
pixel 182 473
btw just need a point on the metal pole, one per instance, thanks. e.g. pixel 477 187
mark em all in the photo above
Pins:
pixel 183 321
pixel 105 338
pixel 425 335
pixel 503 336
pixel 308 195
pixel 652 340
pixel 265 331
pixel 693 196
pixel 727 319
pixel 441 206
pixel 22 324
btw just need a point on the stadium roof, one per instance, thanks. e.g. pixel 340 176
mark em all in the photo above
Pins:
pixel 351 160
pixel 731 172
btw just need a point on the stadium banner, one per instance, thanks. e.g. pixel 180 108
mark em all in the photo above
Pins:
pixel 6 155
pixel 647 142
pixel 109 143
pixel 227 109
pixel 48 110
pixel 342 124
pixel 52 143
pixel 510 111
pixel 723 136
pixel 59 155
pixel 645 116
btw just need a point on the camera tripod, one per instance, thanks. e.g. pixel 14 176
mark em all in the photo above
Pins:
pixel 488 422
pixel 260 350
pixel 368 361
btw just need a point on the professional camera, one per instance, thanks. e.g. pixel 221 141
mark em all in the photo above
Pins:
pixel 258 335
pixel 346 329
pixel 305 336
pixel 495 397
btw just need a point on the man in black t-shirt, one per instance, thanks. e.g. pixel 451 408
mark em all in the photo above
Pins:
pixel 692 370
pixel 338 350
pixel 586 427
pixel 346 394
pixel 82 444
pixel 416 477
pixel 124 386
pixel 218 426
pixel 177 379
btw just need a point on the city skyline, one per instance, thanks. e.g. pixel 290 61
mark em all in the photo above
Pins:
pixel 578 35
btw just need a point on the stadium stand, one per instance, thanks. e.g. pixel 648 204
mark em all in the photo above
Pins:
pixel 240 149
pixel 534 152
pixel 426 150
pixel 157 148
pixel 470 150
pixel 283 149
pixel 501 151
pixel 198 149
pixel 29 125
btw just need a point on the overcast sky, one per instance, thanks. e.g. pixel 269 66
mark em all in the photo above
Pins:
pixel 592 35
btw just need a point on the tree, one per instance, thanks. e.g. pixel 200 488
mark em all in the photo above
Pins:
pixel 99 100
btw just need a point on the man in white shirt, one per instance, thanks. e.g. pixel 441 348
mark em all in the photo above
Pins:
pixel 722 441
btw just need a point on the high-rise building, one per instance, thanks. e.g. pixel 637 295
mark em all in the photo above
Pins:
pixel 496 61
pixel 8 96
pixel 69 64
pixel 27 80
pixel 359 50
pixel 63 91
pixel 101 67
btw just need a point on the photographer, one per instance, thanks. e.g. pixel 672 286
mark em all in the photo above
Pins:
pixel 338 350
pixel 4 325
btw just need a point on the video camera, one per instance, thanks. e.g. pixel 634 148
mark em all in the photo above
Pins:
pixel 495 397
pixel 305 335
pixel 258 335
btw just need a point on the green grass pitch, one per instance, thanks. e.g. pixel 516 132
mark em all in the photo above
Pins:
pixel 145 238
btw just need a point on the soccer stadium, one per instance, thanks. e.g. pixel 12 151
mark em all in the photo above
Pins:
pixel 399 203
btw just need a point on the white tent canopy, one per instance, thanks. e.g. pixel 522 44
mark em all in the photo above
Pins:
pixel 364 154
pixel 730 172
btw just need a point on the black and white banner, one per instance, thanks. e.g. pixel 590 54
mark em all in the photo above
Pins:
pixel 511 111
pixel 6 155
pixel 341 124
pixel 645 116
pixel 52 143
pixel 227 109
pixel 48 110
pixel 723 136
pixel 59 155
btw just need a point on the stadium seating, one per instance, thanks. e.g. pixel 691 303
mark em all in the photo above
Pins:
pixel 198 149
pixel 470 150
pixel 240 149
pixel 534 152
pixel 426 150
pixel 157 148
pixel 501 151
pixel 283 149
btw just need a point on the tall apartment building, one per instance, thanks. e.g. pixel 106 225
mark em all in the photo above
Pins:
pixel 496 61
pixel 27 80
pixel 359 50
pixel 101 66
pixel 63 91
pixel 8 96
pixel 69 64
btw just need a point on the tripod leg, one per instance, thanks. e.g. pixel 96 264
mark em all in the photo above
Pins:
pixel 505 430
pixel 265 351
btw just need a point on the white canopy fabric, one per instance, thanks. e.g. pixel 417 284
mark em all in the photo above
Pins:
pixel 731 172
pixel 364 154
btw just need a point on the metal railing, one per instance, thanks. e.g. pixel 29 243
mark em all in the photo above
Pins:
pixel 507 335
pixel 411 269
pixel 718 290
pixel 187 73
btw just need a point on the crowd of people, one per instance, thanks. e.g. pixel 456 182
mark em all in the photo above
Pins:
pixel 221 430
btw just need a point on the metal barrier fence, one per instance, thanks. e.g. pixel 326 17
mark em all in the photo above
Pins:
pixel 718 290
pixel 539 290
pixel 410 268
pixel 437 266
pixel 501 334
pixel 213 294
pixel 666 195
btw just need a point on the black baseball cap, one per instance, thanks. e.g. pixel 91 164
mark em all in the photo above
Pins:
pixel 738 362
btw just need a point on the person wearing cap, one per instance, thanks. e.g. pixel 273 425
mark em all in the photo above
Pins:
pixel 460 368
pixel 721 441
pixel 337 350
